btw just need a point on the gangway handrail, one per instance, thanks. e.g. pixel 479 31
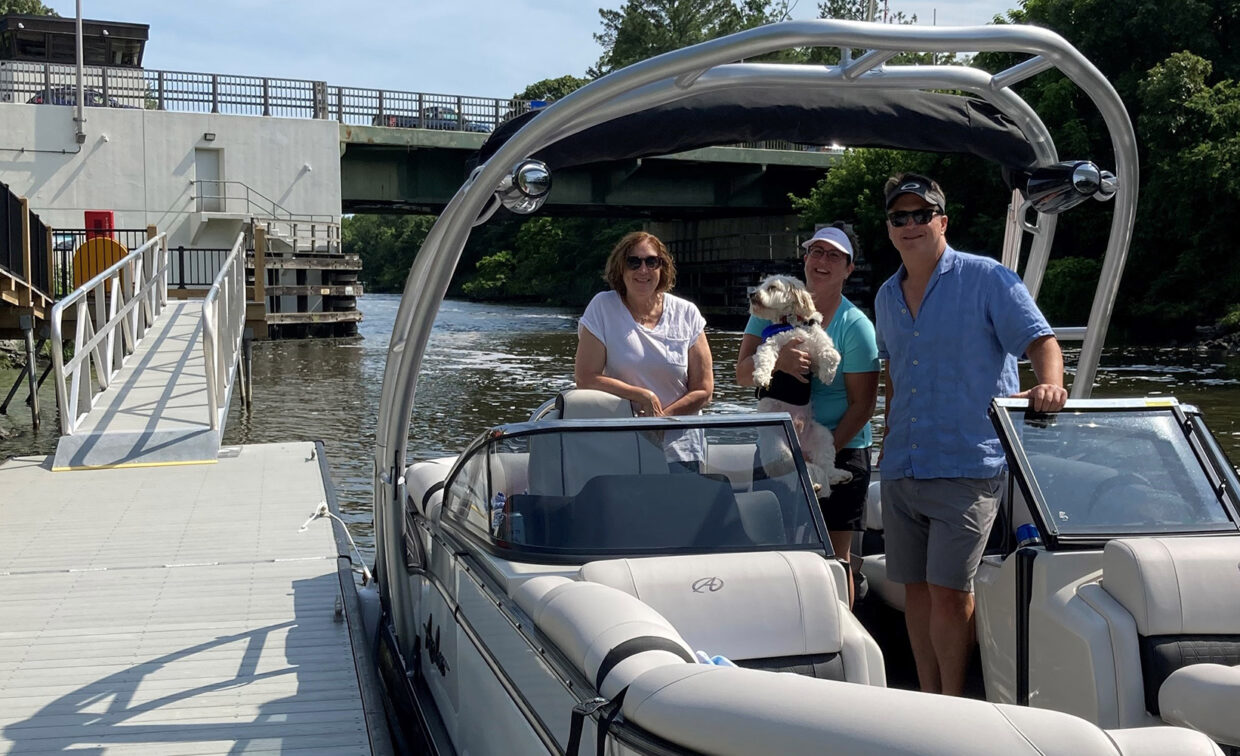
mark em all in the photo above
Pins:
pixel 128 297
pixel 289 215
pixel 223 324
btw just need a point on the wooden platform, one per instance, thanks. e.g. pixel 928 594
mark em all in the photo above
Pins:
pixel 176 610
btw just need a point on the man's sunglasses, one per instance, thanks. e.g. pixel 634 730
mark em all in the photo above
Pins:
pixel 918 217
pixel 654 262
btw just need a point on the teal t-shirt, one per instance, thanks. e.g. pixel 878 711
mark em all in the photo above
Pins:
pixel 853 334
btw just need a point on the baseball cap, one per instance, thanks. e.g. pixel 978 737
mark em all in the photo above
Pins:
pixel 833 236
pixel 922 187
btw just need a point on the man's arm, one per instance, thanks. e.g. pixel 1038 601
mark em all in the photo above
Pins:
pixel 1046 358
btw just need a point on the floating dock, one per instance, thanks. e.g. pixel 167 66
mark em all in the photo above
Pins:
pixel 179 610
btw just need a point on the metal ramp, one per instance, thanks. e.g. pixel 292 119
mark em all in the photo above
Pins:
pixel 149 381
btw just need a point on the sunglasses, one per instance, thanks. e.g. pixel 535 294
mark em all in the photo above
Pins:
pixel 634 262
pixel 918 217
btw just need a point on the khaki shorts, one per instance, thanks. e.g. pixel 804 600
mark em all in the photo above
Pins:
pixel 936 529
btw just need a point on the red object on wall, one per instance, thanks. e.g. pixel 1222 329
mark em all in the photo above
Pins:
pixel 100 223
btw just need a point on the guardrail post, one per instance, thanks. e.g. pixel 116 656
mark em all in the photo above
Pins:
pixel 47 80
pixel 159 87
pixel 460 115
pixel 181 266
pixel 381 114
pixel 320 99
pixel 340 104
pixel 103 72
pixel 26 298
pixel 215 93
pixel 266 96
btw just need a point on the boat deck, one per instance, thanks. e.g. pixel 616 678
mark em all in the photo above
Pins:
pixel 177 610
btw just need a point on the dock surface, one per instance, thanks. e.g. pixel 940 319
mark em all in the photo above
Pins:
pixel 174 610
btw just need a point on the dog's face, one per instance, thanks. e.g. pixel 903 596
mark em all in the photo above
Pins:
pixel 779 297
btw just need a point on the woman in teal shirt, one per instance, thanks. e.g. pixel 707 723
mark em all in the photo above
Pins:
pixel 846 404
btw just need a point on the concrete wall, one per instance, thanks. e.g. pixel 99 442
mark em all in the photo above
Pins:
pixel 139 164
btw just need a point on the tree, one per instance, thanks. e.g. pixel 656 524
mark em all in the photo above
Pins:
pixel 26 7
pixel 641 29
pixel 387 245
pixel 552 89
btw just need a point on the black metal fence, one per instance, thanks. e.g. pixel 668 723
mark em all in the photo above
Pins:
pixel 195 268
pixel 77 262
pixel 12 252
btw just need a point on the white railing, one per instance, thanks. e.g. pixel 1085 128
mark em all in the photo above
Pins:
pixel 223 323
pixel 127 298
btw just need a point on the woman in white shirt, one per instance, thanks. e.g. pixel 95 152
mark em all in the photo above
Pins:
pixel 642 343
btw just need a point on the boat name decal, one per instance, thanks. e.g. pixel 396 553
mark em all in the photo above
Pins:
pixel 433 648
pixel 707 585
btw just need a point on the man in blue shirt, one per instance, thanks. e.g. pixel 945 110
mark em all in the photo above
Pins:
pixel 950 326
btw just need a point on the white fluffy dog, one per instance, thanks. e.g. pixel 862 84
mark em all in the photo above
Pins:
pixel 786 302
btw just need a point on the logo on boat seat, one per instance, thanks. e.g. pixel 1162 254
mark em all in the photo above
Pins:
pixel 707 585
pixel 434 649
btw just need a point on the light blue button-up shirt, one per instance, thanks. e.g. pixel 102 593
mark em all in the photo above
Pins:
pixel 946 364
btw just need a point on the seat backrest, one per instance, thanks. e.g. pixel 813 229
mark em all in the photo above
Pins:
pixel 771 610
pixel 610 636
pixel 560 468
pixel 1184 597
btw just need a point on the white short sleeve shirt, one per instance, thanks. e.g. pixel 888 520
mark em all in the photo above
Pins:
pixel 654 358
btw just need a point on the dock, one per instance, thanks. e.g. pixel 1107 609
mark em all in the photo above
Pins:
pixel 180 610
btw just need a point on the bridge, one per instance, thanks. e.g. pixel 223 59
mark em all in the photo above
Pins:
pixel 406 151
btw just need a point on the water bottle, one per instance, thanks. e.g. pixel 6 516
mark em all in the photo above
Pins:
pixel 1027 535
pixel 497 513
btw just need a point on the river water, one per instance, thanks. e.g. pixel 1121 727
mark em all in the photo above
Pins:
pixel 489 364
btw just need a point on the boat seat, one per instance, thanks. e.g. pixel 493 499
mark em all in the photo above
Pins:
pixel 610 636
pixel 779 611
pixel 735 461
pixel 726 711
pixel 557 468
pixel 1173 619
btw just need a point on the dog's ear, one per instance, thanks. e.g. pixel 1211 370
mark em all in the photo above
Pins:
pixel 805 303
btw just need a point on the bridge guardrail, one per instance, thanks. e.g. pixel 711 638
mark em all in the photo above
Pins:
pixel 192 92
pixel 127 298
pixel 223 324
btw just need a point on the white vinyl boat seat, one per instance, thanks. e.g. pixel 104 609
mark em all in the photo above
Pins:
pixel 728 711
pixel 1182 602
pixel 779 611
pixel 561 465
pixel 608 635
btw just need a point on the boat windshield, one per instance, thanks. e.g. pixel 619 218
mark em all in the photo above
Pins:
pixel 1100 469
pixel 564 489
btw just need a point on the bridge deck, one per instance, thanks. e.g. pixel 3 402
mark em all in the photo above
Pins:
pixel 176 610
pixel 155 410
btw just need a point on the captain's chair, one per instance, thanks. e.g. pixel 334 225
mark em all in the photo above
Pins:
pixel 561 466
pixel 1177 629
pixel 779 611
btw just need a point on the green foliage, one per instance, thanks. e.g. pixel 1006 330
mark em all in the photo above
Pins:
pixel 551 89
pixel 387 245
pixel 1230 323
pixel 641 29
pixel 1068 290
pixel 26 7
pixel 552 260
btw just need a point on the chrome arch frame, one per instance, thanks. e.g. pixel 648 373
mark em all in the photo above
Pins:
pixel 712 65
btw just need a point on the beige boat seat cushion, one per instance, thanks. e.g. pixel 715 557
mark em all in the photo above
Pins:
pixel 1182 595
pixel 769 610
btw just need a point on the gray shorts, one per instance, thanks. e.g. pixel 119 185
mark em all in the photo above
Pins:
pixel 936 529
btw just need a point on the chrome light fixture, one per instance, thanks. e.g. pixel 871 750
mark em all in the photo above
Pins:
pixel 525 189
pixel 1055 188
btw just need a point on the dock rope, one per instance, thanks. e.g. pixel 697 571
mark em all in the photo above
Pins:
pixel 322 511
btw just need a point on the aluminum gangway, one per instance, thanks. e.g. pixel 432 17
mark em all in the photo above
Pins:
pixel 149 381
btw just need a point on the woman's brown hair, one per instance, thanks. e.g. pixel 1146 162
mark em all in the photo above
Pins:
pixel 613 272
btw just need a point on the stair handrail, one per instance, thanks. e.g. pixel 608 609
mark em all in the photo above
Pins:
pixel 128 297
pixel 251 203
pixel 223 325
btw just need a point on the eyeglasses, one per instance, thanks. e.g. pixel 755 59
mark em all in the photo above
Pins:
pixel 918 217
pixel 654 262
pixel 832 254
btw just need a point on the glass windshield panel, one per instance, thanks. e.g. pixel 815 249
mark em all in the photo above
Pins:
pixel 625 491
pixel 1118 472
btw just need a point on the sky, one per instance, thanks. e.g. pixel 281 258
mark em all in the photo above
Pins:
pixel 484 48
